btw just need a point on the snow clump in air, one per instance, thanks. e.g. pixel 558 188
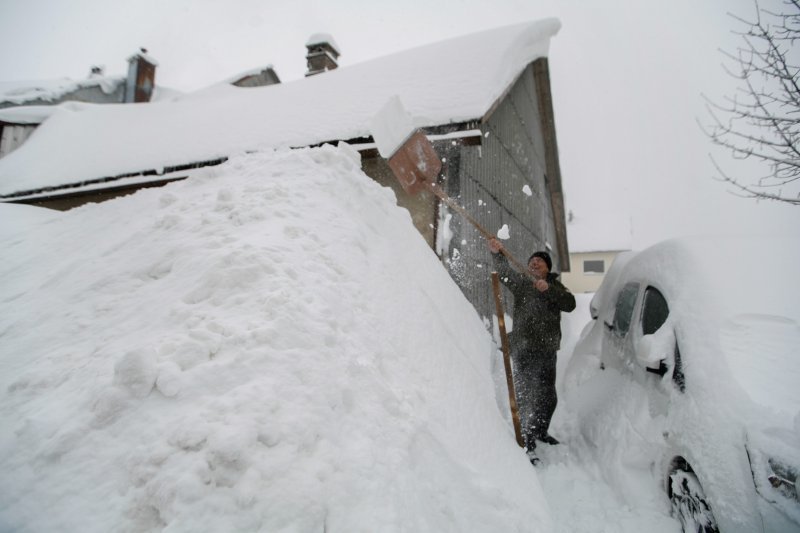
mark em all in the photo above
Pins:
pixel 503 233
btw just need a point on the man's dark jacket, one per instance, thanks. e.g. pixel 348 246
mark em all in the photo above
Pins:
pixel 537 315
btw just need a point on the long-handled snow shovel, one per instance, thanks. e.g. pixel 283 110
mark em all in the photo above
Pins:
pixel 416 165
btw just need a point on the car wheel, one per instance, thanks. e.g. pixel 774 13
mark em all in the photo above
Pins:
pixel 689 503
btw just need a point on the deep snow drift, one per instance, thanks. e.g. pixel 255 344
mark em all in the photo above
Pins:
pixel 267 346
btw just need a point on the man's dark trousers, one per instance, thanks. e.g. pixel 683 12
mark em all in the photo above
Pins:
pixel 534 381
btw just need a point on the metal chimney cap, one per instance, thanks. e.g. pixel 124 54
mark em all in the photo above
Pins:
pixel 142 54
pixel 323 38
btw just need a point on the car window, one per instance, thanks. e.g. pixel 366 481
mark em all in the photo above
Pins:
pixel 654 311
pixel 624 308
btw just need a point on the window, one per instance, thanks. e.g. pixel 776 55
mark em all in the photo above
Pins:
pixel 624 308
pixel 654 311
pixel 594 266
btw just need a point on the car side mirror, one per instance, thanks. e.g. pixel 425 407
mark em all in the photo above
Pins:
pixel 653 350
pixel 660 371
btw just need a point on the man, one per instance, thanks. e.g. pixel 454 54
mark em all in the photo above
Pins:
pixel 535 339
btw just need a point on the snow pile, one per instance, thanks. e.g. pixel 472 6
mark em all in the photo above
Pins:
pixel 268 346
pixel 15 220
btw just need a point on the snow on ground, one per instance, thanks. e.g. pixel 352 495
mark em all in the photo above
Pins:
pixel 267 346
pixel 581 498
pixel 15 220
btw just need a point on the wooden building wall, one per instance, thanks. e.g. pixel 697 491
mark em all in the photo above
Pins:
pixel 13 135
pixel 490 185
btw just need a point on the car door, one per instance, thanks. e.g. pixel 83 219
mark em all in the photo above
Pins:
pixel 655 341
pixel 650 348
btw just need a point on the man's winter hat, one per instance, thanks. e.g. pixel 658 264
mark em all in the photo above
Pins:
pixel 544 256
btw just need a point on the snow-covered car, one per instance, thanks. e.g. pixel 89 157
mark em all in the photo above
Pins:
pixel 688 376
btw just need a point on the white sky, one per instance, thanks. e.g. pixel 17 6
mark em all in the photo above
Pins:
pixel 627 78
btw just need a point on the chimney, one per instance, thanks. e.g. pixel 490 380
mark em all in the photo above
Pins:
pixel 267 76
pixel 322 54
pixel 141 77
pixel 97 70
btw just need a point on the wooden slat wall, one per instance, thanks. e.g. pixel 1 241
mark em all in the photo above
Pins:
pixel 512 155
pixel 13 135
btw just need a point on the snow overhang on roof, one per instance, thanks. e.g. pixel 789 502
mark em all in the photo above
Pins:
pixel 452 81
pixel 19 92
pixel 26 115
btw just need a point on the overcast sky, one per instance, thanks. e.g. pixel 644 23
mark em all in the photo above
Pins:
pixel 627 79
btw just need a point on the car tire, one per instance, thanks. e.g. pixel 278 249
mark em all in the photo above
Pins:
pixel 689 503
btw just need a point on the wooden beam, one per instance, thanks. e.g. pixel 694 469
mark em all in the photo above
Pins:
pixel 541 78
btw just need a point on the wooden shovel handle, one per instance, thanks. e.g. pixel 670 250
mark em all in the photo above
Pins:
pixel 501 326
pixel 435 189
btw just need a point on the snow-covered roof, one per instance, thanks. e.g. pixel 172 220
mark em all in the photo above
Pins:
pixel 586 235
pixel 451 81
pixel 32 114
pixel 19 92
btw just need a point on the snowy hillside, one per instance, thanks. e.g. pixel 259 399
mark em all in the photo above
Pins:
pixel 267 346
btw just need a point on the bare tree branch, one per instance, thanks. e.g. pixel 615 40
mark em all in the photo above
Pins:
pixel 761 121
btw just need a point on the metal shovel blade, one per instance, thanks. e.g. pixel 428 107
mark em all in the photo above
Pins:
pixel 415 163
